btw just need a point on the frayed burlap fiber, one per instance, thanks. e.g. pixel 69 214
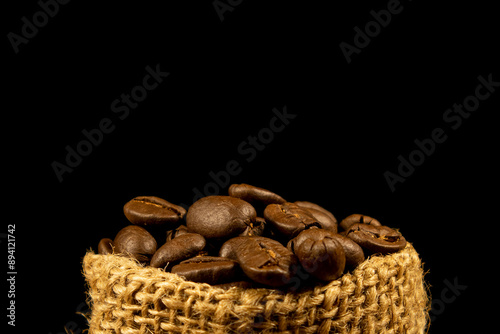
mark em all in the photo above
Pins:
pixel 384 294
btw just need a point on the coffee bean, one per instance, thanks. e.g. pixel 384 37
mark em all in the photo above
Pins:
pixel 289 219
pixel 376 239
pixel 228 249
pixel 320 253
pixel 354 254
pixel 347 222
pixel 220 216
pixel 324 219
pixel 105 246
pixel 254 194
pixel 266 261
pixel 208 269
pixel 151 210
pixel 171 234
pixel 136 242
pixel 178 249
pixel 223 239
pixel 310 205
pixel 255 228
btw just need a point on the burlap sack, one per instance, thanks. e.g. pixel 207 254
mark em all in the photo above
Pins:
pixel 384 294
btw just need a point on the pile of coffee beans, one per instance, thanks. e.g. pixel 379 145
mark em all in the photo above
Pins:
pixel 250 238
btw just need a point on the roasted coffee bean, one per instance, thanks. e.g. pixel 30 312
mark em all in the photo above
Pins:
pixel 266 261
pixel 253 194
pixel 228 249
pixel 289 219
pixel 208 269
pixel 135 242
pixel 105 246
pixel 325 218
pixel 223 239
pixel 354 254
pixel 255 228
pixel 220 216
pixel 178 249
pixel 151 210
pixel 171 234
pixel 376 239
pixel 320 253
pixel 314 206
pixel 348 221
pixel 326 222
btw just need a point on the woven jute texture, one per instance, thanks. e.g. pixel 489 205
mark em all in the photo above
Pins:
pixel 384 294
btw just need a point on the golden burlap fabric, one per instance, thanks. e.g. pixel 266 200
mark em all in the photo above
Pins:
pixel 384 294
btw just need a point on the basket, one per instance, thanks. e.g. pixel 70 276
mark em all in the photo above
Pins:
pixel 384 294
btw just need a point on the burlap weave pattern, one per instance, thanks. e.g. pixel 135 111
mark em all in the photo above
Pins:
pixel 385 294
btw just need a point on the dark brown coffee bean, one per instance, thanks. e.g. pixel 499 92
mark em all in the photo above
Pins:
pixel 220 216
pixel 289 219
pixel 348 221
pixel 266 261
pixel 325 220
pixel 136 242
pixel 253 194
pixel 310 205
pixel 208 269
pixel 255 228
pixel 228 249
pixel 354 254
pixel 151 210
pixel 320 253
pixel 105 246
pixel 376 239
pixel 178 249
pixel 171 234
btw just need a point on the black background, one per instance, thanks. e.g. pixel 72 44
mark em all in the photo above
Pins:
pixel 351 123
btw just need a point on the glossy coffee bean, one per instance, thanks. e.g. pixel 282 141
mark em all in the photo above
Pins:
pixel 325 220
pixel 255 228
pixel 151 210
pixel 105 246
pixel 347 222
pixel 354 254
pixel 135 242
pixel 208 269
pixel 376 239
pixel 228 248
pixel 178 249
pixel 320 253
pixel 220 216
pixel 289 219
pixel 182 229
pixel 266 261
pixel 314 206
pixel 254 194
